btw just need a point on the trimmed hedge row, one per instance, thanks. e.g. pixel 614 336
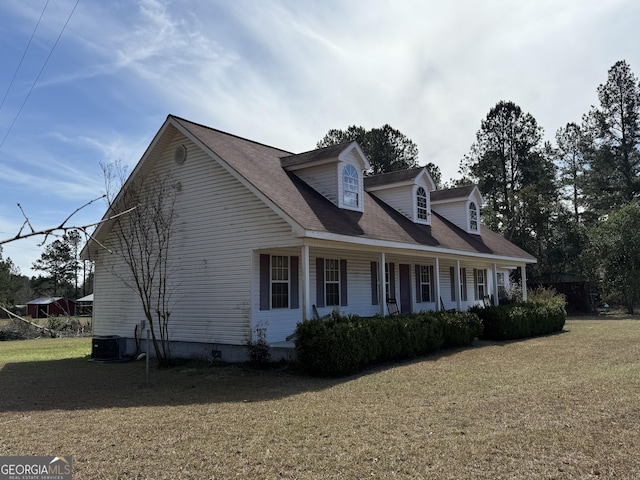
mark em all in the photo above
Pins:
pixel 522 320
pixel 345 344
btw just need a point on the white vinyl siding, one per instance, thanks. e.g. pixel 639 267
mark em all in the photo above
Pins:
pixel 455 212
pixel 213 269
pixel 324 179
pixel 400 198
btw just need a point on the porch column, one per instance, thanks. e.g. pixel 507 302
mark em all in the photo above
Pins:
pixel 306 285
pixel 494 280
pixel 436 274
pixel 382 283
pixel 523 269
pixel 456 276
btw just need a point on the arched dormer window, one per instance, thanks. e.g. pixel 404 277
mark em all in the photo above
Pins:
pixel 421 204
pixel 473 216
pixel 351 187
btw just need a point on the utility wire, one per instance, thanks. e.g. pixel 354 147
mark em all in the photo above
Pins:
pixel 39 73
pixel 24 54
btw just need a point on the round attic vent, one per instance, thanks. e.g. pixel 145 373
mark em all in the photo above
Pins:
pixel 180 154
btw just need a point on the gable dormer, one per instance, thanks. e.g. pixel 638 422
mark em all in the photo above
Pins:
pixel 461 206
pixel 336 172
pixel 407 191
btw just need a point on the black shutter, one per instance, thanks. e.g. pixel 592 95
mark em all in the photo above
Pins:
pixel 320 282
pixel 418 285
pixel 374 283
pixel 343 283
pixel 265 282
pixel 294 282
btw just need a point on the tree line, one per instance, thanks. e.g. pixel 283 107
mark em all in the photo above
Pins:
pixel 572 203
pixel 63 273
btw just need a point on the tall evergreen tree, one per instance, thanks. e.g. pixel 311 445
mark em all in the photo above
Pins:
pixel 614 255
pixel 59 262
pixel 10 281
pixel 512 167
pixel 613 128
pixel 570 157
pixel 387 149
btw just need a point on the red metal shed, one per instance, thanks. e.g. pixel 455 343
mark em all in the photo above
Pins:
pixel 44 307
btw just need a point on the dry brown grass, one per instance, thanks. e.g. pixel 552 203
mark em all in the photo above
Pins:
pixel 562 406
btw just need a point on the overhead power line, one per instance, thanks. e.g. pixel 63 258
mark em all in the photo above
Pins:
pixel 24 54
pixel 39 73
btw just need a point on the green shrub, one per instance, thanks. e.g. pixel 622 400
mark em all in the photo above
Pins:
pixel 460 328
pixel 344 344
pixel 543 315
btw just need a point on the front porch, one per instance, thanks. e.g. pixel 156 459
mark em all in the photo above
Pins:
pixel 357 279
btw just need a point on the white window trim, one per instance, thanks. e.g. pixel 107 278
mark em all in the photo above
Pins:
pixel 417 219
pixel 429 274
pixel 359 191
pixel 477 219
pixel 327 261
pixel 273 281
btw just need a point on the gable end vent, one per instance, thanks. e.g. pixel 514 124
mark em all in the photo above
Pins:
pixel 180 155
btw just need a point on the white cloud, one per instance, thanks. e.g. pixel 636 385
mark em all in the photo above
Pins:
pixel 284 72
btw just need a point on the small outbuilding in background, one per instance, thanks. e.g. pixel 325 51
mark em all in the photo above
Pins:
pixel 84 306
pixel 44 307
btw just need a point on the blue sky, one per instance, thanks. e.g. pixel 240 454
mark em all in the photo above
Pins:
pixel 281 72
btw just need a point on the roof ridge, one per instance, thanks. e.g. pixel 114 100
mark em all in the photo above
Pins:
pixel 318 149
pixel 176 117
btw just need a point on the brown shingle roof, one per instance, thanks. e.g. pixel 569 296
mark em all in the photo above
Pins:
pixel 392 177
pixel 451 193
pixel 261 166
pixel 314 155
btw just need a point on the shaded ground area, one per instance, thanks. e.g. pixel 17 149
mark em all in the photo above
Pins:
pixel 562 406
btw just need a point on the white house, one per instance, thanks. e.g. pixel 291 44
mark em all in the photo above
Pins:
pixel 264 235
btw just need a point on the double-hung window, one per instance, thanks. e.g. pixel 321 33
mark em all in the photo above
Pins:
pixel 426 283
pixel 279 281
pixel 332 282
pixel 481 283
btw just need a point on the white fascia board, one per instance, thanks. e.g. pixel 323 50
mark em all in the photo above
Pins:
pixel 250 186
pixel 386 244
pixel 476 191
pixel 354 146
pixel 429 181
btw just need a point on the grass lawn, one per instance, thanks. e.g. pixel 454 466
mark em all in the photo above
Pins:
pixel 556 407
